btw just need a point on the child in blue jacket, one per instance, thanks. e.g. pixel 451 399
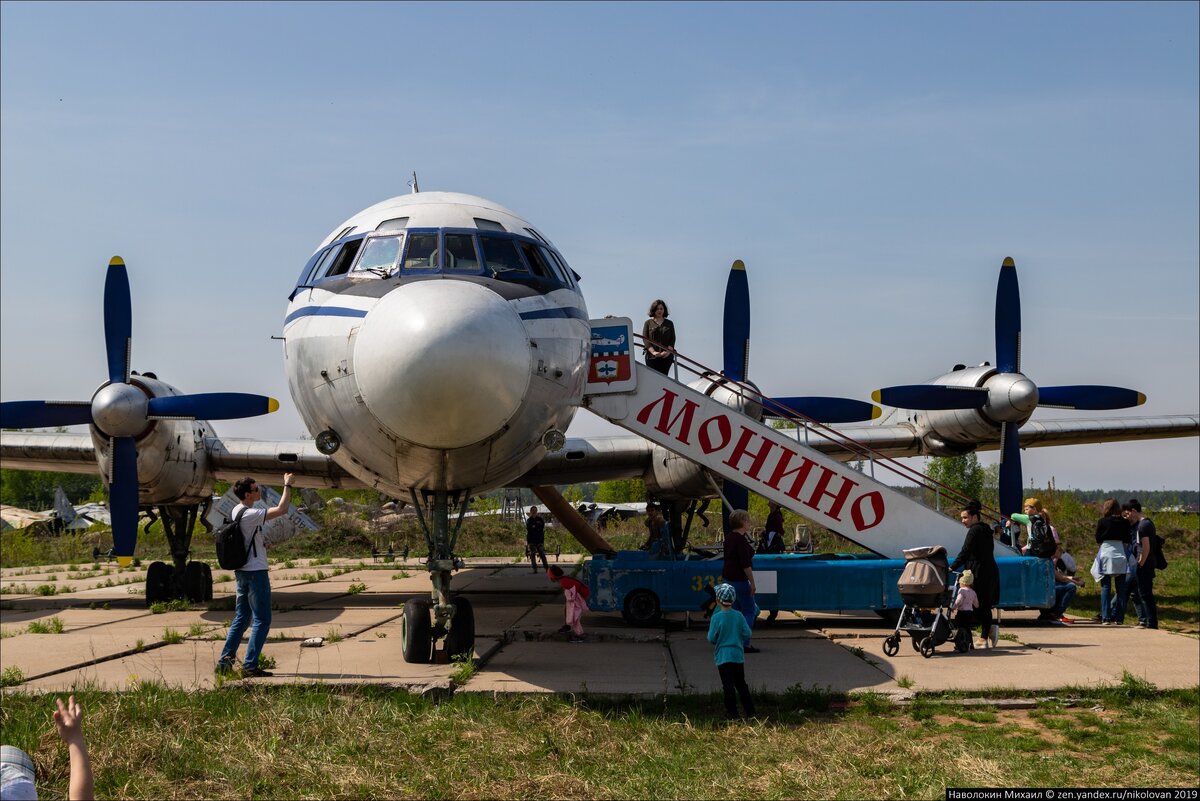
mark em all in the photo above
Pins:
pixel 729 633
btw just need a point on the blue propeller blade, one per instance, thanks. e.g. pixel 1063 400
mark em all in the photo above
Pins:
pixel 1010 469
pixel 1008 319
pixel 123 496
pixel 44 414
pixel 1090 397
pixel 931 396
pixel 736 330
pixel 212 406
pixel 118 321
pixel 828 410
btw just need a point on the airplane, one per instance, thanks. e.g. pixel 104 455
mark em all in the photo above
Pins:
pixel 436 346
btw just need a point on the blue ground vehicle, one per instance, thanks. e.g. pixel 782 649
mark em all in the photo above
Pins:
pixel 642 589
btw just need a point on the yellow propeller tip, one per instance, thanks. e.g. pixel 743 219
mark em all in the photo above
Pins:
pixel 876 412
pixel 877 396
pixel 272 405
pixel 116 261
pixel 1141 399
pixel 739 265
pixel 124 561
pixel 1008 262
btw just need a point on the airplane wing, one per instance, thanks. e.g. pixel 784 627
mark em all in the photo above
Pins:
pixel 228 459
pixel 580 460
pixel 606 458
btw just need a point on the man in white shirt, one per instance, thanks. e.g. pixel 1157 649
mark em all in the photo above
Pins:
pixel 253 607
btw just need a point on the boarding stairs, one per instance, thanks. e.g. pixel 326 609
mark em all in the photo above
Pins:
pixel 734 445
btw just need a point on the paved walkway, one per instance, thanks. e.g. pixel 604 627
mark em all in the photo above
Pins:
pixel 109 640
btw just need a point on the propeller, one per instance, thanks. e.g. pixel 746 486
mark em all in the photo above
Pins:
pixel 1007 396
pixel 122 410
pixel 736 366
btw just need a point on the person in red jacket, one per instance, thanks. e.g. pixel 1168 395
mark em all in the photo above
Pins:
pixel 575 595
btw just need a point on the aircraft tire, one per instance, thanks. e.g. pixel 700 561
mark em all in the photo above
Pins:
pixel 197 581
pixel 158 583
pixel 460 639
pixel 416 632
pixel 642 608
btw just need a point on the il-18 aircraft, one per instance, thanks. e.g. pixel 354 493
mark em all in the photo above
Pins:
pixel 436 346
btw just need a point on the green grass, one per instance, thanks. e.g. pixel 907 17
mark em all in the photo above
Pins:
pixel 171 636
pixel 161 607
pixel 356 588
pixel 280 741
pixel 52 626
pixel 10 677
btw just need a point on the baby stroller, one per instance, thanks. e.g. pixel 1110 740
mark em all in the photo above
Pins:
pixel 924 585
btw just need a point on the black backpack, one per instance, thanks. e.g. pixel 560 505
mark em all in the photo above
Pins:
pixel 1041 540
pixel 232 551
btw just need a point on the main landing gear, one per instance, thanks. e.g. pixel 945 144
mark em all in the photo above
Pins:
pixel 183 579
pixel 443 617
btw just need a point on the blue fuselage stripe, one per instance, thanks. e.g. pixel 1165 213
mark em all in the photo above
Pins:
pixel 565 311
pixel 324 311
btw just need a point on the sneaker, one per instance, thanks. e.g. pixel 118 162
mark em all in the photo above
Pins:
pixel 575 639
pixel 256 673
pixel 1067 620
pixel 1057 622
pixel 1106 623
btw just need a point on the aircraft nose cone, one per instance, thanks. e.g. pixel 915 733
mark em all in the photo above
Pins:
pixel 443 363
pixel 1012 397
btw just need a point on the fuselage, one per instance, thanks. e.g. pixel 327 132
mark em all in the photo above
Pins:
pixel 436 341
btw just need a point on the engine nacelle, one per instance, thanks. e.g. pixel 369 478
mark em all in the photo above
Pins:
pixel 172 464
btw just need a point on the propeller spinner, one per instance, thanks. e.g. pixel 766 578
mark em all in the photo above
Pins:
pixel 122 410
pixel 1007 396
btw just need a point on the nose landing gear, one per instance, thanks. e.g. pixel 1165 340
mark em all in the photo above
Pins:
pixel 450 620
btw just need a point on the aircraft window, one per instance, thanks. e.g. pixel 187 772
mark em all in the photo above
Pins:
pixel 488 225
pixel 500 254
pixel 460 253
pixel 343 232
pixel 319 265
pixel 422 252
pixel 380 254
pixel 548 257
pixel 566 268
pixel 341 264
pixel 394 224
pixel 537 236
pixel 538 264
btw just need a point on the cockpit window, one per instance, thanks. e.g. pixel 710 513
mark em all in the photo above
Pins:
pixel 460 253
pixel 422 253
pixel 380 254
pixel 556 265
pixel 536 263
pixel 484 224
pixel 345 257
pixel 501 256
pixel 394 224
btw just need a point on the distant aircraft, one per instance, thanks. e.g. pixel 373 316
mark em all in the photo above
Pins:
pixel 436 345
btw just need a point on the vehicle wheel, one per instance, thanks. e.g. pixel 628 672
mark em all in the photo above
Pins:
pixel 158 583
pixel 642 608
pixel 927 647
pixel 415 632
pixel 460 639
pixel 197 582
pixel 916 642
pixel 891 645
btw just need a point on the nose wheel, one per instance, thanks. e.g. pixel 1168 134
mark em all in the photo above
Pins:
pixel 442 617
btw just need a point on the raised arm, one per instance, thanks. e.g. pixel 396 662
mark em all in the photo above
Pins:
pixel 68 719
pixel 285 500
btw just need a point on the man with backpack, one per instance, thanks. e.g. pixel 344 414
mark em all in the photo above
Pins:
pixel 253 606
pixel 1149 558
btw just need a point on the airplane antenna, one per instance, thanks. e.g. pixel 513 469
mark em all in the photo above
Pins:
pixel 413 183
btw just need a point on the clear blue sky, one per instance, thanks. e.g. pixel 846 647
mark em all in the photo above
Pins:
pixel 871 163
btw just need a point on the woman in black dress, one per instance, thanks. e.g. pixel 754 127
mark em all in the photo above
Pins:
pixel 658 338
pixel 976 555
